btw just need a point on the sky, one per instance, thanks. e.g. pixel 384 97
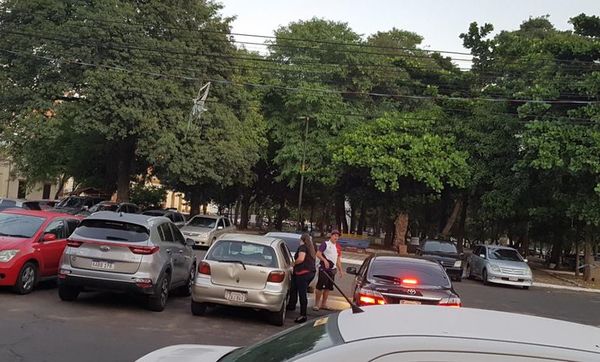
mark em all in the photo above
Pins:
pixel 439 21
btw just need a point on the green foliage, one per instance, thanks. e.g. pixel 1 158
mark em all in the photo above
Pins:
pixel 147 197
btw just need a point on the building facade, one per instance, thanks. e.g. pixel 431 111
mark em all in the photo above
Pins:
pixel 13 186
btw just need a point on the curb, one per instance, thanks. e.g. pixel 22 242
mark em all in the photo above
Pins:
pixel 563 287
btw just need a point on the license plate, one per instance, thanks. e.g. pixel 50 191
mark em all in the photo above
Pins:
pixel 106 265
pixel 513 279
pixel 409 302
pixel 239 297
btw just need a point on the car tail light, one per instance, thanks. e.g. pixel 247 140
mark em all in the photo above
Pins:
pixel 276 277
pixel 74 243
pixel 144 250
pixel 370 297
pixel 204 268
pixel 451 302
pixel 143 282
pixel 410 281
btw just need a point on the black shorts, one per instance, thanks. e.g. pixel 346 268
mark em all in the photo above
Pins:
pixel 323 282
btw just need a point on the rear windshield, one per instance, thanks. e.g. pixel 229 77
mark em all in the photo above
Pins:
pixel 316 335
pixel 71 202
pixel 439 247
pixel 154 213
pixel 426 274
pixel 104 207
pixel 203 222
pixel 247 253
pixel 112 230
pixel 505 254
pixel 19 226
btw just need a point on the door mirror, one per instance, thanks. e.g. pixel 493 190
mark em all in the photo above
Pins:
pixel 190 242
pixel 525 260
pixel 49 237
pixel 352 270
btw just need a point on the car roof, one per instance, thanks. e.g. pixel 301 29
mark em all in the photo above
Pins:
pixel 435 321
pixel 208 216
pixel 138 219
pixel 257 239
pixel 38 213
pixel 280 234
pixel 499 247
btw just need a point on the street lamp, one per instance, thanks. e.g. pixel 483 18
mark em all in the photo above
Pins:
pixel 302 169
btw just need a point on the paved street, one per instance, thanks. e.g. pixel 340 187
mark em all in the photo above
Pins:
pixel 108 327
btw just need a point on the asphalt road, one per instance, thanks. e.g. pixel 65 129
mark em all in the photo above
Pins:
pixel 112 327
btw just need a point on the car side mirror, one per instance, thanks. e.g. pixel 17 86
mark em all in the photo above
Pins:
pixel 352 270
pixel 482 256
pixel 189 242
pixel 525 260
pixel 49 237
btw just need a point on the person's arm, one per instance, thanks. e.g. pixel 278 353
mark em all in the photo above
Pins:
pixel 300 258
pixel 322 259
pixel 339 265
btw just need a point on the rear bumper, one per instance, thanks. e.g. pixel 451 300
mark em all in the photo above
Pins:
pixel 269 298
pixel 104 285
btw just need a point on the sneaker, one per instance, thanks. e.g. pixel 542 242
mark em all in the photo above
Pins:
pixel 300 319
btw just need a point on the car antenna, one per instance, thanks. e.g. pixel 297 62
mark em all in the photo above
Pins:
pixel 355 309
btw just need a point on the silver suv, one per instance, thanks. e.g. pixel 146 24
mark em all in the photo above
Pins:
pixel 130 253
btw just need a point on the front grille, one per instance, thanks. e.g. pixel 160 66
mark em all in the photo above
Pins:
pixel 512 271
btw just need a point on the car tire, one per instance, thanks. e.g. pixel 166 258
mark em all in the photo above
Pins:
pixel 199 309
pixel 458 279
pixel 526 287
pixel 278 318
pixel 470 272
pixel 158 301
pixel 186 290
pixel 27 278
pixel 484 277
pixel 67 293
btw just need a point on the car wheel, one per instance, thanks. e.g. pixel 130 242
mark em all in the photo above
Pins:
pixel 27 278
pixel 186 290
pixel 458 279
pixel 278 318
pixel 67 293
pixel 470 272
pixel 526 287
pixel 484 277
pixel 198 309
pixel 158 300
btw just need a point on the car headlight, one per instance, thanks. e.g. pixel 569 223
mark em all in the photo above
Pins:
pixel 528 271
pixel 7 255
pixel 495 268
pixel 457 264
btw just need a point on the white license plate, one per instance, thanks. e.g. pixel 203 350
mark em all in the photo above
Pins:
pixel 106 265
pixel 235 296
pixel 409 302
pixel 513 279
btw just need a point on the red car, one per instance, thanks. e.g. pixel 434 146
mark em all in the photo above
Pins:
pixel 31 244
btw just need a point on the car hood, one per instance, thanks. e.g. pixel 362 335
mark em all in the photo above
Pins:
pixel 510 264
pixel 441 257
pixel 7 242
pixel 187 353
pixel 195 229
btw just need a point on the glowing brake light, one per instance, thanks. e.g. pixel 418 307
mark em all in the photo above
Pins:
pixel 370 297
pixel 410 281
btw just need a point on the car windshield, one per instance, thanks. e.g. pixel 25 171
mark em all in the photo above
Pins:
pixel 72 201
pixel 104 207
pixel 505 254
pixel 425 274
pixel 439 247
pixel 202 222
pixel 314 336
pixel 112 231
pixel 247 253
pixel 22 226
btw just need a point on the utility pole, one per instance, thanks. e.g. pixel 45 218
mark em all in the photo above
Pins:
pixel 302 169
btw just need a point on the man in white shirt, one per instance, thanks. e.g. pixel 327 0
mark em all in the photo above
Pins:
pixel 330 255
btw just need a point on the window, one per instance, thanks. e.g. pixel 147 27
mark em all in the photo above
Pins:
pixel 505 254
pixel 178 237
pixel 221 224
pixel 227 223
pixel 71 226
pixel 363 267
pixel 396 270
pixel 19 225
pixel 439 247
pixel 112 230
pixel 22 189
pixel 286 254
pixel 166 233
pixel 247 253
pixel 57 227
pixel 46 192
pixel 202 222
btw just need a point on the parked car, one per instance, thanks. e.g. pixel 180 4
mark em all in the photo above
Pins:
pixel 402 280
pixel 128 253
pixel 247 271
pixel 31 244
pixel 114 207
pixel 42 204
pixel 499 264
pixel 76 204
pixel 205 229
pixel 176 217
pixel 19 204
pixel 393 333
pixel 445 253
pixel 292 240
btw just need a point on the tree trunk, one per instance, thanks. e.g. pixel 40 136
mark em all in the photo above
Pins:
pixel 195 202
pixel 362 219
pixel 390 231
pixel 352 218
pixel 452 218
pixel 340 215
pixel 588 260
pixel 401 228
pixel 245 208
pixel 556 251
pixel 259 218
pixel 461 226
pixel 61 186
pixel 205 208
pixel 280 215
pixel 124 167
pixel 577 263
pixel 236 212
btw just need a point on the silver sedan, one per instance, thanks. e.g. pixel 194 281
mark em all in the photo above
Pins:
pixel 499 264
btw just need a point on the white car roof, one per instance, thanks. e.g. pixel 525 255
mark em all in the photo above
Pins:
pixel 278 234
pixel 257 239
pixel 435 321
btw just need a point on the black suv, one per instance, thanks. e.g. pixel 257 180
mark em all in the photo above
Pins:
pixel 445 253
